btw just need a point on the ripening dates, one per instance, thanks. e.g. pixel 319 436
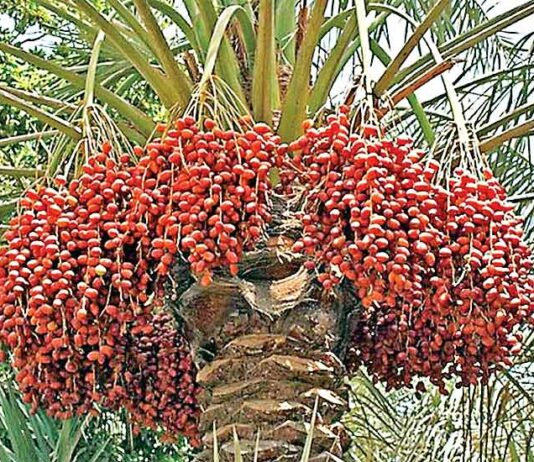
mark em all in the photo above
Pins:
pixel 84 258
pixel 368 210
pixel 160 381
pixel 74 301
pixel 442 271
pixel 203 192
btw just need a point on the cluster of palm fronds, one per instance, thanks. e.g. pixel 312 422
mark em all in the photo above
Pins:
pixel 134 59
pixel 487 423
pixel 108 437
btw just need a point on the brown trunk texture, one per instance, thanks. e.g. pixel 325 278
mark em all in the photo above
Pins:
pixel 268 344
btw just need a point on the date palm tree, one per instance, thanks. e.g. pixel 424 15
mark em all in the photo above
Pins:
pixel 269 343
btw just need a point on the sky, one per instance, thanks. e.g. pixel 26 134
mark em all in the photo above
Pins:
pixel 503 5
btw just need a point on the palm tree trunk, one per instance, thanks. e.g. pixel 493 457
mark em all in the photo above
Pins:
pixel 268 344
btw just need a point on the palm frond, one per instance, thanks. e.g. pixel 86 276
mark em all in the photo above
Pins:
pixel 479 424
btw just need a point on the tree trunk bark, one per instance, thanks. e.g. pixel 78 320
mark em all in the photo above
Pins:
pixel 268 344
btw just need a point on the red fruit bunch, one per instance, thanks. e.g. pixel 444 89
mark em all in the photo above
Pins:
pixel 442 272
pixel 368 211
pixel 73 290
pixel 480 296
pixel 488 269
pixel 203 192
pixel 160 387
pixel 48 306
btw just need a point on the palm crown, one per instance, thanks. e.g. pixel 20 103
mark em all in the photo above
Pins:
pixel 275 57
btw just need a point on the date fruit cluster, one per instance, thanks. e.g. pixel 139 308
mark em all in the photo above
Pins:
pixel 442 270
pixel 75 305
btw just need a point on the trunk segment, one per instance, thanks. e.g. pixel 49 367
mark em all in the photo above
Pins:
pixel 268 344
